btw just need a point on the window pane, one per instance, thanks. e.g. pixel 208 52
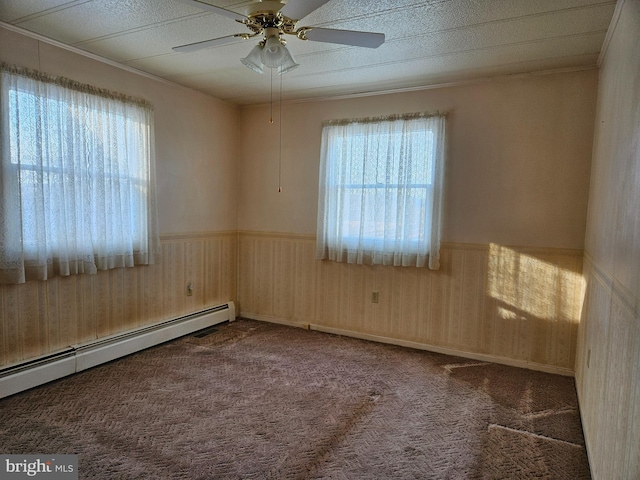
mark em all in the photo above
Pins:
pixel 81 164
pixel 378 186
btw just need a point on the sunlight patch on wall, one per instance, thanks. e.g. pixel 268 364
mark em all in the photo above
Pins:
pixel 529 286
pixel 509 315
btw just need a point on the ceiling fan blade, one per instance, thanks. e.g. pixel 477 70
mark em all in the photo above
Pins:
pixel 345 37
pixel 192 47
pixel 297 9
pixel 214 9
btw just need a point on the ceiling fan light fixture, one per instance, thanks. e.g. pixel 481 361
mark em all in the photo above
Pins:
pixel 272 45
pixel 253 60
pixel 273 52
pixel 288 62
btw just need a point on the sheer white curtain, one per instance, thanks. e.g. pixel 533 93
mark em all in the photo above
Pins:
pixel 380 190
pixel 77 188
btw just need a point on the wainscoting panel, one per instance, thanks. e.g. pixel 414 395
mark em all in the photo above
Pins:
pixel 607 379
pixel 512 303
pixel 38 318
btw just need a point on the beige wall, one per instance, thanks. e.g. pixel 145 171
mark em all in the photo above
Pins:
pixel 608 359
pixel 197 209
pixel 517 171
pixel 518 306
pixel 510 288
pixel 38 318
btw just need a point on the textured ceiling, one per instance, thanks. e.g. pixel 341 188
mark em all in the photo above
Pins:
pixel 427 41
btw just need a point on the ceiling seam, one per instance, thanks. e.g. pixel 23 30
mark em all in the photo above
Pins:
pixel 437 56
pixel 561 57
pixel 430 86
pixel 142 28
pixel 328 22
pixel 107 61
pixel 387 41
pixel 417 6
pixel 49 11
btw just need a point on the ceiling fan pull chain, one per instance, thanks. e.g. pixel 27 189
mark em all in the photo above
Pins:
pixel 271 102
pixel 280 127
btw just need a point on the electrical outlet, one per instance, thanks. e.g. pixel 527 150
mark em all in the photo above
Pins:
pixel 374 297
pixel 189 289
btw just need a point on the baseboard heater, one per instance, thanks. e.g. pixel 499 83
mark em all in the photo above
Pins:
pixel 76 358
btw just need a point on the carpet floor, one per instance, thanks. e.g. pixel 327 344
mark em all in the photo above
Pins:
pixel 255 400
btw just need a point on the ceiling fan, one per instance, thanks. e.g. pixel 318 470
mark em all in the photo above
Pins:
pixel 273 19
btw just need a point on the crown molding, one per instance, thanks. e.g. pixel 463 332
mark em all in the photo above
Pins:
pixel 433 86
pixel 610 31
pixel 98 58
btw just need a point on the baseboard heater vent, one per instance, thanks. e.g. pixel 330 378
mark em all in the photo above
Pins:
pixel 76 358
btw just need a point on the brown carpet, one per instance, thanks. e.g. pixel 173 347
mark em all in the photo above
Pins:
pixel 263 401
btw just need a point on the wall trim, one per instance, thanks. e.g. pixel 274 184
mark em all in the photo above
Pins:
pixel 416 345
pixel 583 421
pixel 483 247
pixel 293 236
pixel 280 321
pixel 476 247
pixel 432 86
pixel 98 58
pixel 610 31
pixel 620 294
pixel 170 237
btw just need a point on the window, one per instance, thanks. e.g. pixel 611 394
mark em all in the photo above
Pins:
pixel 77 192
pixel 381 190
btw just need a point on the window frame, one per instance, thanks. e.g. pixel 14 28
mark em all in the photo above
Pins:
pixel 99 138
pixel 340 245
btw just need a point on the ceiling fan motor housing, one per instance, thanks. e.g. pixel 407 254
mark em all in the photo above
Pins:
pixel 272 23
